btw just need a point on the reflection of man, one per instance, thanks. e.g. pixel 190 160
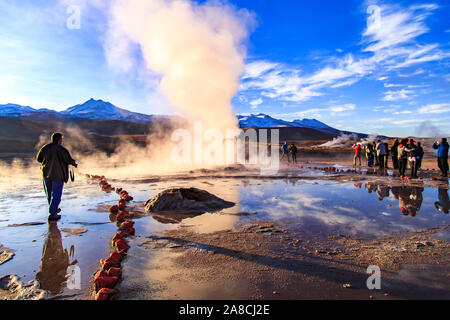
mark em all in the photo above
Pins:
pixel 410 199
pixel 371 188
pixel 54 263
pixel 382 192
pixel 443 204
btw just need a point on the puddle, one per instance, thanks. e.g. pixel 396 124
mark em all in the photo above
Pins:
pixel 81 238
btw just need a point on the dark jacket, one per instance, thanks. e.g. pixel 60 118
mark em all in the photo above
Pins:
pixel 421 153
pixel 55 160
pixel 412 150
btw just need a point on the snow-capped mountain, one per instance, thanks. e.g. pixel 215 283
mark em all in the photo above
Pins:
pixel 15 110
pixel 264 121
pixel 102 110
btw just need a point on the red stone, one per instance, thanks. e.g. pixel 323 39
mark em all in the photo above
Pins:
pixel 105 294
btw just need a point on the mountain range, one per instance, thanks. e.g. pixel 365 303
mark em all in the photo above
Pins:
pixel 102 110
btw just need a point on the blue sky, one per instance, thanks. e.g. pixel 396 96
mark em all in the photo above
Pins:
pixel 329 60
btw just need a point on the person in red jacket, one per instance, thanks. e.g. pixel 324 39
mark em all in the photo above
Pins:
pixel 358 150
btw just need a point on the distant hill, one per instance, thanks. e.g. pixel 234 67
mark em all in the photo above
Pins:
pixel 264 121
pixel 103 110
pixel 105 125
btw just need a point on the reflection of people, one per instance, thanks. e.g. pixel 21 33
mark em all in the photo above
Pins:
pixel 54 263
pixel 382 192
pixel 371 188
pixel 443 204
pixel 55 160
pixel 410 199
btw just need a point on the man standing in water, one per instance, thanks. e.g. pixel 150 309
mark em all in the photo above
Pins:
pixel 55 161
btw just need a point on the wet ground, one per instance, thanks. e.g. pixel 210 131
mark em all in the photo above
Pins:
pixel 290 236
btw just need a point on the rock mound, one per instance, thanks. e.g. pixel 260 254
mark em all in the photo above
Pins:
pixel 11 288
pixel 182 200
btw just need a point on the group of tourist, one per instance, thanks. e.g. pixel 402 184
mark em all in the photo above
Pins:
pixel 289 150
pixel 403 152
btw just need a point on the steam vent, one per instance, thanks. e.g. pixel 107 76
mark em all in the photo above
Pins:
pixel 186 201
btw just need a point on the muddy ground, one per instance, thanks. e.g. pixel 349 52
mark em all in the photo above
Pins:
pixel 265 261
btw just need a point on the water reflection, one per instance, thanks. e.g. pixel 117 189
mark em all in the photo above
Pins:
pixel 209 222
pixel 55 261
pixel 443 205
pixel 172 218
pixel 410 198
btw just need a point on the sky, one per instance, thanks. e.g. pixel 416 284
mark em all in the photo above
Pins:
pixel 379 67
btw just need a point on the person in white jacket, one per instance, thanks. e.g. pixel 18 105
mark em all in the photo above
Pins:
pixel 381 153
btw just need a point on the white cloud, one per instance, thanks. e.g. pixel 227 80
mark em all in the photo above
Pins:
pixel 334 110
pixel 257 68
pixel 342 108
pixel 435 108
pixel 402 112
pixel 408 121
pixel 415 73
pixel 255 103
pixel 398 95
pixel 389 27
pixel 390 37
pixel 391 85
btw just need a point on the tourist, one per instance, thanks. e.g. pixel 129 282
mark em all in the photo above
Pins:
pixel 394 152
pixel 402 157
pixel 293 151
pixel 55 161
pixel 442 156
pixel 358 149
pixel 381 153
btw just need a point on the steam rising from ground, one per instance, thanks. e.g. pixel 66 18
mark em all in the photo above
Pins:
pixel 347 140
pixel 196 48
pixel 344 140
pixel 198 53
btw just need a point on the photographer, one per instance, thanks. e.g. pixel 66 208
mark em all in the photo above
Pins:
pixel 442 156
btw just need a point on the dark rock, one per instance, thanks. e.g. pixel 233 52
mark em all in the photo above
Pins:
pixel 186 201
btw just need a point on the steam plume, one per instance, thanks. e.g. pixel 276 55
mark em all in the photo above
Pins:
pixel 196 48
